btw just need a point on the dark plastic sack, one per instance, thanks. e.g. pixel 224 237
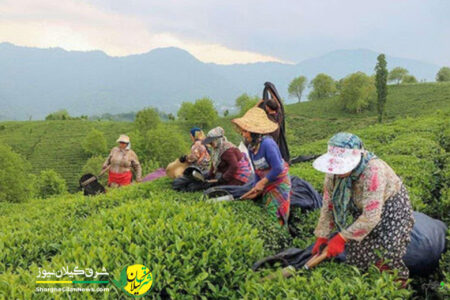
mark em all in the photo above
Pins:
pixel 303 194
pixel 291 257
pixel 235 190
pixel 426 246
pixel 189 184
pixel 93 188
pixel 422 254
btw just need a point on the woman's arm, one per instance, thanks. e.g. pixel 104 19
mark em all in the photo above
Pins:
pixel 273 157
pixel 137 167
pixel 372 202
pixel 326 223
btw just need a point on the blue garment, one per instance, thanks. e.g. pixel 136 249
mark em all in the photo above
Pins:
pixel 194 130
pixel 267 157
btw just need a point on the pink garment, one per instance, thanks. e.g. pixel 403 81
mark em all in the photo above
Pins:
pixel 155 175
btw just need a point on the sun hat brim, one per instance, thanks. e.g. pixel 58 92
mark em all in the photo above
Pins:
pixel 338 163
pixel 123 139
pixel 255 120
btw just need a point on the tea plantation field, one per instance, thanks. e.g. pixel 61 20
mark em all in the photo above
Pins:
pixel 205 251
pixel 314 120
pixel 197 250
pixel 57 144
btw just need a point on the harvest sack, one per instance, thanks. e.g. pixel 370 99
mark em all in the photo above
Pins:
pixel 303 195
pixel 93 187
pixel 422 254
pixel 189 182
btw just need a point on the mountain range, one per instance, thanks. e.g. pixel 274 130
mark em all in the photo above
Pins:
pixel 35 82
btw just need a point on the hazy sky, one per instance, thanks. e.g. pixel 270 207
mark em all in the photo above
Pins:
pixel 231 31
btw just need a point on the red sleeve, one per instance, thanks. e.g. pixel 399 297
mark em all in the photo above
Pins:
pixel 230 157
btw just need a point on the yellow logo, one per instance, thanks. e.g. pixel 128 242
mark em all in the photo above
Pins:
pixel 135 280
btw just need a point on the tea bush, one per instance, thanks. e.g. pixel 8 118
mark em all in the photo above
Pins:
pixel 49 183
pixel 57 145
pixel 94 143
pixel 15 182
pixel 164 144
pixel 194 249
pixel 200 250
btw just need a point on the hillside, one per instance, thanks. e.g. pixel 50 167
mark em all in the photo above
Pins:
pixel 312 120
pixel 198 249
pixel 57 144
pixel 35 82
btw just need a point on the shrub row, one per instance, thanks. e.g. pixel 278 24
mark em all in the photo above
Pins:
pixel 194 250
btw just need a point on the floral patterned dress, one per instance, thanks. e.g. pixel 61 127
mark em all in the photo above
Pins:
pixel 382 218
pixel 199 156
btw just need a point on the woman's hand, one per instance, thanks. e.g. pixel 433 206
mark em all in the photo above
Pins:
pixel 317 245
pixel 252 194
pixel 336 245
pixel 260 185
pixel 256 190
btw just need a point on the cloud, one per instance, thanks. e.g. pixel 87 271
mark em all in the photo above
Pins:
pixel 299 29
pixel 72 25
pixel 233 31
pixel 77 25
pixel 212 53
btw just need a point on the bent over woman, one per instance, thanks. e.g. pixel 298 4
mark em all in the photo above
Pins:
pixel 272 179
pixel 228 164
pixel 359 184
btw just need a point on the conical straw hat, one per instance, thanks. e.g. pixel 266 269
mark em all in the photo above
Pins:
pixel 255 120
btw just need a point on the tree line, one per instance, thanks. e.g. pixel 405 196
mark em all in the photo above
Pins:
pixel 358 91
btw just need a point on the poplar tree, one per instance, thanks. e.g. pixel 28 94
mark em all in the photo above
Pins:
pixel 381 78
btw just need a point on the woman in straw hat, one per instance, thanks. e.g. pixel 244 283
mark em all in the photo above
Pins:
pixel 360 184
pixel 229 166
pixel 272 179
pixel 199 155
pixel 121 160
